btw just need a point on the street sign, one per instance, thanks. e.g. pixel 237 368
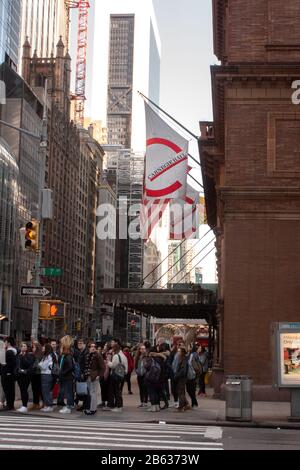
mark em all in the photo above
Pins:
pixel 55 272
pixel 36 291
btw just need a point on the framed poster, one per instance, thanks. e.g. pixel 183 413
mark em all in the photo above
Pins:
pixel 288 354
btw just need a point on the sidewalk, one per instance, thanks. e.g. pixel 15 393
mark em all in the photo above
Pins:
pixel 210 412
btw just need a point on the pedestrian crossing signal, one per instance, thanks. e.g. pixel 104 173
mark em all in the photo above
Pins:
pixel 51 310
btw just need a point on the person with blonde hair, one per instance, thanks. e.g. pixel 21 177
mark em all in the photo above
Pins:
pixel 66 374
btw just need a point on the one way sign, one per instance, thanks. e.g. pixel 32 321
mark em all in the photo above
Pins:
pixel 36 291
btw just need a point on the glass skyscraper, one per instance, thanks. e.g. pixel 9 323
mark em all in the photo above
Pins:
pixel 10 24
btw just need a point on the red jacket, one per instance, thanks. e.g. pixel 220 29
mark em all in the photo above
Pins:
pixel 130 361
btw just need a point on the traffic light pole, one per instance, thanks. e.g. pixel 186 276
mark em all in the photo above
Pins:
pixel 38 258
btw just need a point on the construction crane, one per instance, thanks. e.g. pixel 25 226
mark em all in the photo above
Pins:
pixel 82 44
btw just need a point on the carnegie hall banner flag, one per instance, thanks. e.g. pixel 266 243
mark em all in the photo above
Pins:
pixel 166 159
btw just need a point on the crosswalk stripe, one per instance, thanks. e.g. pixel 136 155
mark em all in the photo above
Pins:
pixel 111 444
pixel 17 435
pixel 82 430
pixel 99 423
pixel 25 447
pixel 7 430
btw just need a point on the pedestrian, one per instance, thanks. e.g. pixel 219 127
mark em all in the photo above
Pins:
pixel 26 361
pixel 191 384
pixel 35 376
pixel 45 366
pixel 130 362
pixel 153 378
pixel 203 356
pixel 66 378
pixel 8 372
pixel 180 378
pixel 104 381
pixel 80 354
pixel 140 373
pixel 94 369
pixel 172 365
pixel 118 370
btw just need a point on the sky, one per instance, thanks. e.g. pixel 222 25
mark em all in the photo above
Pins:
pixel 187 53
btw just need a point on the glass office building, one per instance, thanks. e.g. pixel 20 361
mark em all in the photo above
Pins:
pixel 10 24
pixel 9 173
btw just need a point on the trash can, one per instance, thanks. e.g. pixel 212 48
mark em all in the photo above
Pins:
pixel 238 395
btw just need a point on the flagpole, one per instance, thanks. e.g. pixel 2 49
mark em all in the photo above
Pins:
pixel 169 116
pixel 195 180
pixel 196 161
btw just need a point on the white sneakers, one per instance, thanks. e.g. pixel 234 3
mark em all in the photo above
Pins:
pixel 23 409
pixel 153 408
pixel 65 410
pixel 47 409
pixel 117 410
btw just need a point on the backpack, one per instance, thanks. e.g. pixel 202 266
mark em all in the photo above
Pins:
pixel 55 367
pixel 197 365
pixel 16 371
pixel 153 372
pixel 191 373
pixel 119 371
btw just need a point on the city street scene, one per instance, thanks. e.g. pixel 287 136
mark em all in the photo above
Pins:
pixel 149 226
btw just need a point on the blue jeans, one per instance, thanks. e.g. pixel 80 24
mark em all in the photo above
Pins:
pixel 47 389
pixel 66 388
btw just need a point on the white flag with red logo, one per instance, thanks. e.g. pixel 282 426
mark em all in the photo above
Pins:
pixel 166 159
pixel 184 216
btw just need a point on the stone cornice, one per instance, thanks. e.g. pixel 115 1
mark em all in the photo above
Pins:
pixel 254 192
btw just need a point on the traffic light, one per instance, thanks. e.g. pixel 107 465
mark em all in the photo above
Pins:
pixel 32 235
pixel 51 310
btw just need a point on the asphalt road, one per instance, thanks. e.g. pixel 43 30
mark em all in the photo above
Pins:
pixel 260 439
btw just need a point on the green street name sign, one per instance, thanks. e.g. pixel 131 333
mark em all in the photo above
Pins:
pixel 55 272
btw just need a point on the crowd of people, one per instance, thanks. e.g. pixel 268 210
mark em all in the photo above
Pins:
pixel 72 371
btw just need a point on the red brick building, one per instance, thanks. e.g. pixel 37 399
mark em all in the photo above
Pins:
pixel 251 169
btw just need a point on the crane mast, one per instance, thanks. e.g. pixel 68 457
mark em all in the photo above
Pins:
pixel 82 44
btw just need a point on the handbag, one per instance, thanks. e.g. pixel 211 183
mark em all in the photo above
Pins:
pixel 81 388
pixel 55 370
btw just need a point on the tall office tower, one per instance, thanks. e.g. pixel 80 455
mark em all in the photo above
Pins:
pixel 135 244
pixel 10 23
pixel 127 38
pixel 43 22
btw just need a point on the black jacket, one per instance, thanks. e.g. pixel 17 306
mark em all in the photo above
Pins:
pixel 66 367
pixel 11 362
pixel 26 363
pixel 80 357
pixel 182 370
